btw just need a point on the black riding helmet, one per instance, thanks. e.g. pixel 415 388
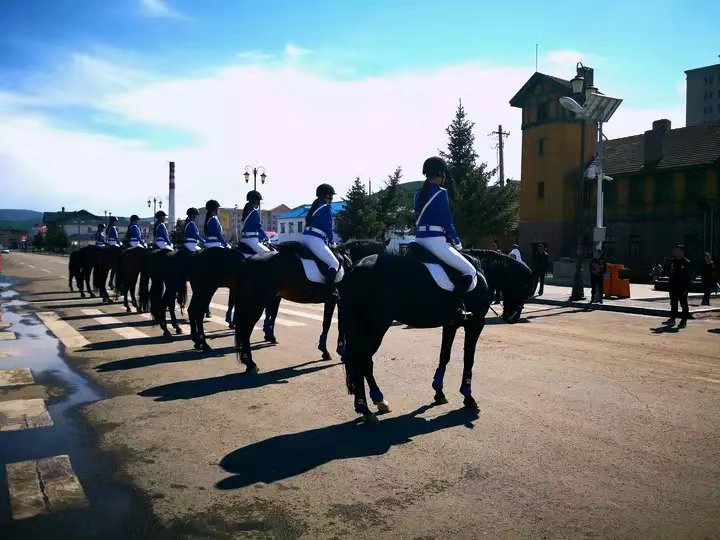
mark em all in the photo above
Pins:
pixel 212 204
pixel 113 219
pixel 101 226
pixel 160 214
pixel 134 218
pixel 192 211
pixel 435 166
pixel 253 196
pixel 323 190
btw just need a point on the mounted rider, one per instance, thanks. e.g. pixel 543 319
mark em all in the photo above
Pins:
pixel 162 238
pixel 434 223
pixel 318 233
pixel 192 234
pixel 113 237
pixel 252 233
pixel 213 227
pixel 134 237
pixel 100 239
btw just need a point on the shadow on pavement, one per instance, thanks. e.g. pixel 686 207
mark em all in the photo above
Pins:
pixel 289 455
pixel 665 329
pixel 714 330
pixel 227 383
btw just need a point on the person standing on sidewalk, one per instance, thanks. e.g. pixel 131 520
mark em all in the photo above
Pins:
pixel 540 266
pixel 598 267
pixel 679 279
pixel 707 274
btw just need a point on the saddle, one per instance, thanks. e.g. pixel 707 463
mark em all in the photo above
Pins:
pixel 446 277
pixel 315 269
pixel 246 250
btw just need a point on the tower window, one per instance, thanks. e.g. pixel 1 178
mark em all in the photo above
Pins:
pixel 541 146
pixel 541 190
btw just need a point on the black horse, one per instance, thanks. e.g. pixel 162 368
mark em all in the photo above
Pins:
pixel 387 288
pixel 106 260
pixel 80 264
pixel 267 277
pixel 167 271
pixel 129 269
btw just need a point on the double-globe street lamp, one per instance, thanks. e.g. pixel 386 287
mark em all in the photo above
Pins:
pixel 588 104
pixel 255 171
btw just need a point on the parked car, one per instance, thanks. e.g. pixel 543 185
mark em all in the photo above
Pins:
pixel 4 250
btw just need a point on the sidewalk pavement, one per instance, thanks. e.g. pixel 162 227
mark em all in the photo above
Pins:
pixel 644 300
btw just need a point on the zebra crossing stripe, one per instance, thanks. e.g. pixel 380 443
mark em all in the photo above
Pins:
pixel 124 331
pixel 17 414
pixel 312 316
pixel 43 486
pixel 69 337
pixel 279 321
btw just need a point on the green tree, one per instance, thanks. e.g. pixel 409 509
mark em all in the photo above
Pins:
pixel 479 208
pixel 38 240
pixel 395 205
pixel 177 235
pixel 359 218
pixel 56 238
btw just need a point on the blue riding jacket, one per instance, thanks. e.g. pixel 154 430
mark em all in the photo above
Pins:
pixel 133 234
pixel 251 226
pixel 433 216
pixel 100 239
pixel 161 233
pixel 112 234
pixel 321 223
pixel 214 232
pixel 192 233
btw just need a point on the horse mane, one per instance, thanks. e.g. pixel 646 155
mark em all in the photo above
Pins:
pixel 500 269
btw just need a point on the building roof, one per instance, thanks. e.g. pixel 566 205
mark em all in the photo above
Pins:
pixel 302 210
pixel 561 84
pixel 702 68
pixel 684 147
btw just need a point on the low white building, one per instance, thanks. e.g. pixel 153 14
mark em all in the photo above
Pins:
pixel 292 224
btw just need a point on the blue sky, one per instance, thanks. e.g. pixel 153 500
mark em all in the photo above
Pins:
pixel 94 73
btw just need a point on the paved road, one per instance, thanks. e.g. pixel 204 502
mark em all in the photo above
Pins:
pixel 592 425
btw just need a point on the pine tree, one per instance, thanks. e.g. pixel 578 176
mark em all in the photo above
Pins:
pixel 395 205
pixel 359 218
pixel 479 209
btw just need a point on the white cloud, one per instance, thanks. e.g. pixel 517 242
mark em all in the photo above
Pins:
pixel 159 9
pixel 293 52
pixel 303 126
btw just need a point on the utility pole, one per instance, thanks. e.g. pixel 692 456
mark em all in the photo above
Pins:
pixel 501 160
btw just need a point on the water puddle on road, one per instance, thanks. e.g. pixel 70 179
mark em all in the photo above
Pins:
pixel 115 510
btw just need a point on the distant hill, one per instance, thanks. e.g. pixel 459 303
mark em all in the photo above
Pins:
pixel 19 219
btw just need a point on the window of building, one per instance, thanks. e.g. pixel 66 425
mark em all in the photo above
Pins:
pixel 541 146
pixel 282 228
pixel 695 188
pixel 541 190
pixel 542 112
pixel 637 190
pixel 300 226
pixel 635 246
pixel 664 187
pixel 291 227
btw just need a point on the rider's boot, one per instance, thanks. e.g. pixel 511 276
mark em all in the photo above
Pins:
pixel 330 275
pixel 461 288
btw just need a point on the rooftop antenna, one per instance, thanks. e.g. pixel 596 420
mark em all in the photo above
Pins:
pixel 536 57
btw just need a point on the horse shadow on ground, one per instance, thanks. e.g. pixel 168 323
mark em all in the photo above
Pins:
pixel 286 456
pixel 665 329
pixel 170 357
pixel 228 383
pixel 714 330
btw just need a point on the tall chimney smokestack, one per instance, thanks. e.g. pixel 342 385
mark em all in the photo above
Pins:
pixel 171 197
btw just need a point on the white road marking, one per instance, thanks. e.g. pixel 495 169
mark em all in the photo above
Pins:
pixel 16 377
pixel 31 266
pixel 69 337
pixel 44 486
pixel 706 379
pixel 46 271
pixel 17 414
pixel 124 331
pixel 304 315
pixel 278 320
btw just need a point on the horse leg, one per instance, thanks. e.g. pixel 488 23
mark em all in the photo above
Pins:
pixel 133 284
pixel 269 324
pixel 173 317
pixel 341 330
pixel 229 312
pixel 473 327
pixel 375 393
pixel 194 314
pixel 166 303
pixel 448 336
pixel 243 329
pixel 327 320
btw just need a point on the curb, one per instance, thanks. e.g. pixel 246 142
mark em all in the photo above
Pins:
pixel 635 310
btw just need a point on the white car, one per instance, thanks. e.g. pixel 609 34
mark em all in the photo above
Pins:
pixel 4 250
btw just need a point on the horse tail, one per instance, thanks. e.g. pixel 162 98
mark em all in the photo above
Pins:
pixel 182 296
pixel 144 289
pixel 72 268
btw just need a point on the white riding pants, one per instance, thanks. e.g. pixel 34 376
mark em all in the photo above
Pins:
pixel 438 246
pixel 321 250
pixel 135 244
pixel 213 245
pixel 255 244
pixel 191 246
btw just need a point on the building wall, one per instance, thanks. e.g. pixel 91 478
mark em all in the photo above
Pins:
pixel 290 229
pixel 702 101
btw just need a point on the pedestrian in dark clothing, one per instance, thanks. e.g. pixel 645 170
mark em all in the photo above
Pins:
pixel 679 282
pixel 598 267
pixel 540 267
pixel 707 274
pixel 494 246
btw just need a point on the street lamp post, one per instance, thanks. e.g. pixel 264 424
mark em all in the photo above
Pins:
pixel 597 108
pixel 235 221
pixel 250 169
pixel 156 201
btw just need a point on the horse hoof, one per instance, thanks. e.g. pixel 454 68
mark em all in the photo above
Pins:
pixel 205 347
pixel 208 315
pixel 231 326
pixel 83 295
pixel 270 338
pixel 340 349
pixel 471 404
pixel 326 355
pixel 197 346
pixel 371 419
pixel 128 310
pixel 167 334
pixel 441 400
pixel 178 330
pixel 92 295
pixel 252 370
pixel 383 407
